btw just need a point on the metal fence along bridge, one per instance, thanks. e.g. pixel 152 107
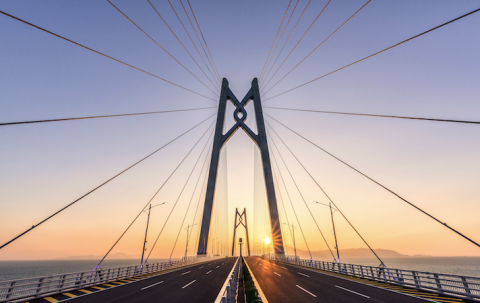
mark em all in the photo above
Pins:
pixel 215 267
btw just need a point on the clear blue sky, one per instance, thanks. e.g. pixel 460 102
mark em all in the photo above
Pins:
pixel 45 166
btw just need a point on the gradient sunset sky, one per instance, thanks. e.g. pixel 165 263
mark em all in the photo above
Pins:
pixel 45 166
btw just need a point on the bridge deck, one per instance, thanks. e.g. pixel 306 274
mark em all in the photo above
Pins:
pixel 282 283
pixel 197 283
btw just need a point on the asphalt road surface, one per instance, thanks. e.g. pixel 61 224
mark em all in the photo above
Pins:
pixel 199 283
pixel 285 283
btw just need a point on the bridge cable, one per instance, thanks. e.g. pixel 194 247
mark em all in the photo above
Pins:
pixel 317 46
pixel 203 37
pixel 300 192
pixel 90 49
pixel 91 191
pixel 372 115
pixel 105 116
pixel 326 195
pixel 281 36
pixel 285 44
pixel 379 184
pixel 151 199
pixel 162 46
pixel 279 28
pixel 188 34
pixel 379 52
pixel 194 190
pixel 285 60
pixel 174 206
pixel 216 87
pixel 201 191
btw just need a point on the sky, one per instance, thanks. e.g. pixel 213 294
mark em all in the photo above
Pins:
pixel 45 166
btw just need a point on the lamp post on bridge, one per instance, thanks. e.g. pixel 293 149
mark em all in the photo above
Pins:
pixel 333 224
pixel 293 234
pixel 188 238
pixel 146 229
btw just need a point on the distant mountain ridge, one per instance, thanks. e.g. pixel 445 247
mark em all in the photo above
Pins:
pixel 349 253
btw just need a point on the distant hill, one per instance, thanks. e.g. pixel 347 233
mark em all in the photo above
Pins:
pixel 348 253
pixel 92 257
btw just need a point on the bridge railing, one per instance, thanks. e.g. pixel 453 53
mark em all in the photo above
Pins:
pixel 452 285
pixel 42 286
pixel 229 289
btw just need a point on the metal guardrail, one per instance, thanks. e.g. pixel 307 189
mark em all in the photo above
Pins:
pixel 229 290
pixel 457 286
pixel 49 285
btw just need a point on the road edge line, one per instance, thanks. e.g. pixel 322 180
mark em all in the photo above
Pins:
pixel 260 292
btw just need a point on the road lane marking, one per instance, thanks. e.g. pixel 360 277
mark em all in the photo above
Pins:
pixel 353 292
pixel 96 287
pixel 266 267
pixel 84 290
pixel 152 285
pixel 109 285
pixel 69 295
pixel 185 273
pixel 189 283
pixel 208 272
pixel 306 291
pixel 217 266
pixel 277 274
pixel 50 299
pixel 200 267
pixel 304 275
pixel 283 267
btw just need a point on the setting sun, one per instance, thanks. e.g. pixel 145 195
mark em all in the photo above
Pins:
pixel 267 240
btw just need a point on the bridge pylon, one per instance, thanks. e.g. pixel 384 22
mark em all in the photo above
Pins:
pixel 261 140
pixel 242 219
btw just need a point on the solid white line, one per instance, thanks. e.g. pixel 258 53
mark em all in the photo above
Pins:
pixel 353 291
pixel 152 285
pixel 185 273
pixel 208 272
pixel 306 291
pixel 189 283
pixel 303 274
pixel 277 274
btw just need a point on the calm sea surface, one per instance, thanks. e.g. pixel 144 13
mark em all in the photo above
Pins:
pixel 11 270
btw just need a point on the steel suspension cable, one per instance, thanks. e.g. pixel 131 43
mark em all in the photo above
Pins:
pixel 279 40
pixel 377 53
pixel 379 184
pixel 91 191
pixel 190 37
pixel 288 195
pixel 151 199
pixel 194 190
pixel 203 37
pixel 288 39
pixel 372 115
pixel 196 34
pixel 173 208
pixel 288 56
pixel 273 44
pixel 300 192
pixel 107 56
pixel 161 46
pixel 316 47
pixel 216 87
pixel 326 195
pixel 105 116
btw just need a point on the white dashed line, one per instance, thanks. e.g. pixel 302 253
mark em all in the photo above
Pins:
pixel 303 275
pixel 353 292
pixel 306 291
pixel 152 285
pixel 217 267
pixel 266 267
pixel 283 267
pixel 185 273
pixel 189 283
pixel 277 274
pixel 208 272
pixel 200 267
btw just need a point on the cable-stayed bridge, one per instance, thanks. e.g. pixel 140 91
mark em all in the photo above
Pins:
pixel 206 263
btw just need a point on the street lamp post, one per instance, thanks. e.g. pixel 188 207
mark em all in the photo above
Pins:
pixel 146 230
pixel 334 232
pixel 188 237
